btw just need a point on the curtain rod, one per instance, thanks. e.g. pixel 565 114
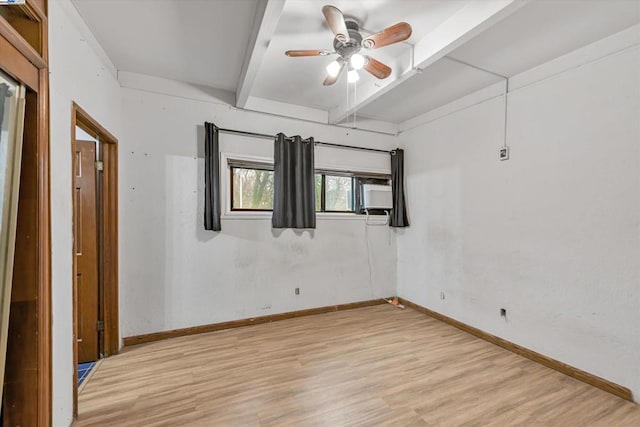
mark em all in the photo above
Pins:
pixel 326 144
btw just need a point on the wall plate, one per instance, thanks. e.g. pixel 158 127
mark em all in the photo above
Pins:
pixel 504 153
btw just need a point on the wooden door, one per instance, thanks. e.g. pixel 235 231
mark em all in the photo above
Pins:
pixel 86 249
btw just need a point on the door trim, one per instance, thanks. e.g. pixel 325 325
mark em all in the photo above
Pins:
pixel 19 59
pixel 108 268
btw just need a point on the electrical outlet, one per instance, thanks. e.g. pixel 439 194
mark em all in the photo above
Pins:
pixel 504 153
pixel 297 291
pixel 503 312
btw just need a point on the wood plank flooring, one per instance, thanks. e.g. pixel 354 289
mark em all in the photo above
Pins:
pixel 369 366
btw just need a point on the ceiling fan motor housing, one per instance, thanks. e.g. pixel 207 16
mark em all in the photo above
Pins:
pixel 354 44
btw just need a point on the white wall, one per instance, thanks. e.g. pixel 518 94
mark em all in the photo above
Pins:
pixel 78 74
pixel 174 274
pixel 553 234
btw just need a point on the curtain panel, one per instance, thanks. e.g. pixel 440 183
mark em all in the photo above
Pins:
pixel 211 178
pixel 294 197
pixel 399 212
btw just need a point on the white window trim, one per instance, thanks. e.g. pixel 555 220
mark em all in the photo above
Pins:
pixel 227 213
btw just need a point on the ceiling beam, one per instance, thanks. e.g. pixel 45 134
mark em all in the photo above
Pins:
pixel 464 25
pixel 264 25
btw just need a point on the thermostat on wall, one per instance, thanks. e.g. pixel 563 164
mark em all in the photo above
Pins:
pixel 504 153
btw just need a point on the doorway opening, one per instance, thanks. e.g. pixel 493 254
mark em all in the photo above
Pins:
pixel 95 243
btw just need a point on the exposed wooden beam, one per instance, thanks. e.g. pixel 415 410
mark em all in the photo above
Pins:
pixel 264 25
pixel 464 25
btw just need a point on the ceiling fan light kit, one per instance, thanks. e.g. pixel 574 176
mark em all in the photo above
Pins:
pixel 357 61
pixel 334 67
pixel 353 76
pixel 347 44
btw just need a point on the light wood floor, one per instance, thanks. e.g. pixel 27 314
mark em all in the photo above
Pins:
pixel 370 366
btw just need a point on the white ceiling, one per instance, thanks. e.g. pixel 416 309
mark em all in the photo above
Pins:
pixel 537 33
pixel 443 82
pixel 195 41
pixel 544 30
pixel 205 42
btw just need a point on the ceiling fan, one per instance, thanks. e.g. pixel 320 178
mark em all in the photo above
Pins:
pixel 347 44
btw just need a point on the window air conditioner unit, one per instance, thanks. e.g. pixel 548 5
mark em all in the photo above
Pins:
pixel 377 196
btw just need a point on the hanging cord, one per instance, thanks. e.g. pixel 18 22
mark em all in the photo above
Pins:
pixel 506 109
pixel 505 95
pixel 347 99
pixel 366 238
pixel 355 102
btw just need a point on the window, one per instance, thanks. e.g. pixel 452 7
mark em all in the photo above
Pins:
pixel 252 188
pixel 335 193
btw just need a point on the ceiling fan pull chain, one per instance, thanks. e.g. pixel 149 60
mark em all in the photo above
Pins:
pixel 347 102
pixel 355 103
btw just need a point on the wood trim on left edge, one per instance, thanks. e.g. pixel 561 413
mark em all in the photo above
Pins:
pixel 45 343
pixel 38 80
pixel 547 361
pixel 174 333
pixel 74 270
pixel 45 381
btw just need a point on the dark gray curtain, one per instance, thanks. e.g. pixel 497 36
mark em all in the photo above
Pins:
pixel 399 211
pixel 211 178
pixel 294 196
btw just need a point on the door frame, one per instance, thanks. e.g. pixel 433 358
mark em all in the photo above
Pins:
pixel 29 65
pixel 107 225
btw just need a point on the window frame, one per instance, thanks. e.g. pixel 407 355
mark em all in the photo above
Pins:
pixel 247 161
pixel 231 168
pixel 323 191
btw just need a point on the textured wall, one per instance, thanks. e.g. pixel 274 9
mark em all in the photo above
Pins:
pixel 553 234
pixel 174 274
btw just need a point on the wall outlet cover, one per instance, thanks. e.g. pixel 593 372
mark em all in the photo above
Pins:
pixel 504 153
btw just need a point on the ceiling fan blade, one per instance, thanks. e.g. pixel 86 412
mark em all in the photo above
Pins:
pixel 335 19
pixel 331 80
pixel 377 68
pixel 394 34
pixel 297 53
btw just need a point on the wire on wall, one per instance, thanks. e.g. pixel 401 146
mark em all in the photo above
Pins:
pixel 505 95
pixel 506 109
pixel 366 238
